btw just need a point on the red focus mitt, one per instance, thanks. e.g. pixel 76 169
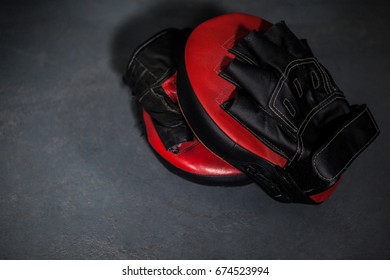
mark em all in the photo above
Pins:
pixel 257 97
pixel 151 75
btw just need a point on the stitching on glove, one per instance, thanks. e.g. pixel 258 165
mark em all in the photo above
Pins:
pixel 354 156
pixel 298 87
pixel 241 56
pixel 314 79
pixel 139 78
pixel 226 77
pixel 156 84
pixel 325 76
pixel 229 42
pixel 271 145
pixel 146 68
pixel 312 113
pixel 326 73
pixel 289 107
pixel 163 101
pixel 279 86
pixel 284 77
pixel 140 48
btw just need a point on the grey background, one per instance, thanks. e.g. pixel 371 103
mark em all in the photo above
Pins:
pixel 78 180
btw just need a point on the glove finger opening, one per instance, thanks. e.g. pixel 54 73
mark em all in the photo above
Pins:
pixel 266 52
pixel 283 37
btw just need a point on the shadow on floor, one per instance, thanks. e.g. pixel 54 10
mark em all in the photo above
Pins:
pixel 137 29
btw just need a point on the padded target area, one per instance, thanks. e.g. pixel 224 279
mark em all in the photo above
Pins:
pixel 193 161
pixel 203 94
pixel 206 55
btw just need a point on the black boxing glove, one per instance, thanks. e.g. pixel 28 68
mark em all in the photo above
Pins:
pixel 289 100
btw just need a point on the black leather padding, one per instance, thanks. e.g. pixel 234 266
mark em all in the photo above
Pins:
pixel 151 64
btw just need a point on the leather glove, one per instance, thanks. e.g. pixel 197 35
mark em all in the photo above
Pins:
pixel 152 64
pixel 290 101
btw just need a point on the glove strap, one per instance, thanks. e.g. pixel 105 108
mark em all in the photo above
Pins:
pixel 345 145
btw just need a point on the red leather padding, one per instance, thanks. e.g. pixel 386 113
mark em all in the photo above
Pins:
pixel 206 54
pixel 192 157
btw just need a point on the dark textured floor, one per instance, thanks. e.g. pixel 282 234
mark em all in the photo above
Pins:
pixel 78 181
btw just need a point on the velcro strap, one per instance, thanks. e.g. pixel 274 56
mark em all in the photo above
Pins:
pixel 345 145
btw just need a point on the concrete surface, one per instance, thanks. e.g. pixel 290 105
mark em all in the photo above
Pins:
pixel 78 181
